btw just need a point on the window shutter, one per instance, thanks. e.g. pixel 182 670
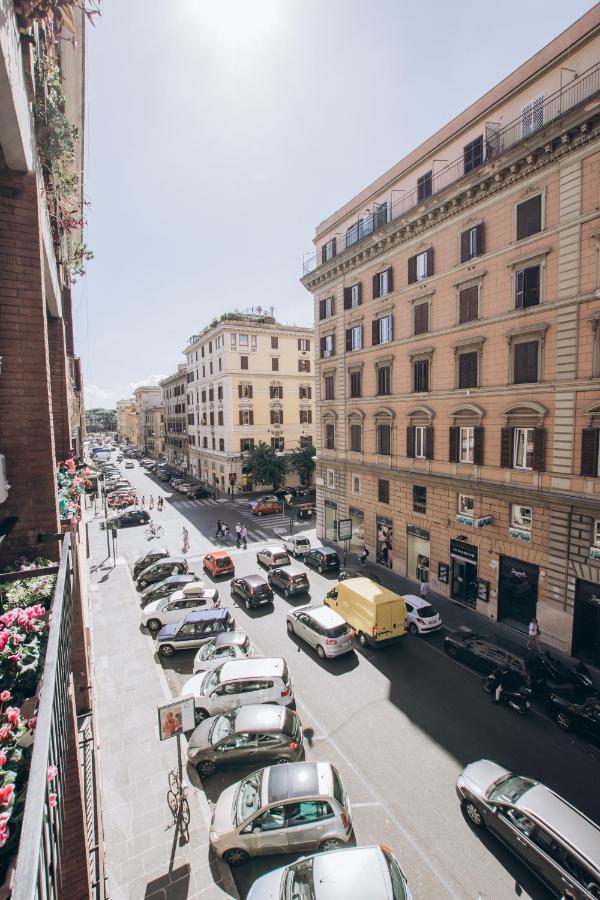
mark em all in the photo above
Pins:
pixel 519 289
pixel 359 292
pixel 239 391
pixel 479 239
pixel 272 417
pixel 347 298
pixel 309 392
pixel 526 362
pixel 410 441
pixel 323 253
pixel 430 262
pixel 412 269
pixel 240 414
pixel 464 247
pixel 539 449
pixel 390 274
pixel 391 318
pixel 348 339
pixel 333 246
pixel 529 217
pixel 309 419
pixel 468 304
pixel 375 332
pixel 453 443
pixel 375 286
pixel 250 390
pixel 251 417
pixel 322 345
pixel 467 370
pixel 531 286
pixel 478 445
pixel 421 318
pixel 429 442
pixel 589 452
pixel 506 448
pixel 321 309
pixel 280 420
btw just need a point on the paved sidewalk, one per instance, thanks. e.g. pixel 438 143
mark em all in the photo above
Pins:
pixel 147 857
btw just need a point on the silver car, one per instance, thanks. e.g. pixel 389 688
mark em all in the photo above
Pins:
pixel 238 683
pixel 352 873
pixel 270 557
pixel 323 628
pixel 223 647
pixel 282 809
pixel 558 843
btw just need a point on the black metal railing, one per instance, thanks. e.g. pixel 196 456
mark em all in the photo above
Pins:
pixel 38 869
pixel 497 141
pixel 91 806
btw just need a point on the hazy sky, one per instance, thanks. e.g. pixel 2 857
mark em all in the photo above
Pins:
pixel 220 132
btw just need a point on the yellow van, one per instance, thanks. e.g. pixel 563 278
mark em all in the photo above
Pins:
pixel 376 614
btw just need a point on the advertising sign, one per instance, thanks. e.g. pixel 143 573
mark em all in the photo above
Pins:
pixel 175 718
pixel 344 529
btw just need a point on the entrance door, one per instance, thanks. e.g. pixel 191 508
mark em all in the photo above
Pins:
pixel 517 600
pixel 586 623
pixel 464 583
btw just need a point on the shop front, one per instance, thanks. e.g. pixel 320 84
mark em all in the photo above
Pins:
pixel 384 546
pixel 330 520
pixel 517 592
pixel 417 553
pixel 463 575
pixel 357 541
pixel 586 622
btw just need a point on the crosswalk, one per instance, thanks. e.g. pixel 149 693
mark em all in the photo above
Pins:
pixel 276 523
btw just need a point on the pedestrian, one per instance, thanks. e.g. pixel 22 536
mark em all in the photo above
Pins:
pixel 151 502
pixel 186 539
pixel 214 496
pixel 423 590
pixel 533 640
pixel 244 537
pixel 219 530
pixel 159 503
pixel 364 555
pixel 238 535
pixel 225 531
pixel 143 503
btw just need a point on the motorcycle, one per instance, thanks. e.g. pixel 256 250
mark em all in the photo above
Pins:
pixel 517 699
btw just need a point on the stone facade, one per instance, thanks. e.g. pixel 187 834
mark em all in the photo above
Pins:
pixel 174 389
pixel 127 421
pixel 146 397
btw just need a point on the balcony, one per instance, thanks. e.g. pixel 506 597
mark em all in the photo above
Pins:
pixel 497 142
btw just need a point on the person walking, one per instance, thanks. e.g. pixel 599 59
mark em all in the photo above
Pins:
pixel 159 503
pixel 143 503
pixel 151 502
pixel 238 535
pixel 423 590
pixel 186 539
pixel 244 536
pixel 364 555
pixel 219 531
pixel 225 531
pixel 533 639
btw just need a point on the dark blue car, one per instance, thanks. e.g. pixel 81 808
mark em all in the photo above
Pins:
pixel 324 559
pixel 196 629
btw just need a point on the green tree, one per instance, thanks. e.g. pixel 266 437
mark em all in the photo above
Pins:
pixel 302 462
pixel 266 466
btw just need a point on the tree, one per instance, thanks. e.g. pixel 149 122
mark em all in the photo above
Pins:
pixel 302 462
pixel 266 466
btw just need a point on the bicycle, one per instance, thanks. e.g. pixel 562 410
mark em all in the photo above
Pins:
pixel 177 799
pixel 154 531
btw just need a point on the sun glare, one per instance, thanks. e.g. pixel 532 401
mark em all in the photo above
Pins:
pixel 237 21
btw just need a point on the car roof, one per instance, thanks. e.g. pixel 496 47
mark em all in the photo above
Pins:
pixel 155 551
pixel 218 554
pixel 175 579
pixel 328 551
pixel 254 580
pixel 292 571
pixel 231 639
pixel 274 549
pixel 251 668
pixel 168 560
pixel 301 779
pixel 352 873
pixel 260 717
pixel 419 602
pixel 562 818
pixel 194 587
pixel 324 615
pixel 202 615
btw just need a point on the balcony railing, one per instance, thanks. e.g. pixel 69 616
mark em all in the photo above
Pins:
pixel 496 142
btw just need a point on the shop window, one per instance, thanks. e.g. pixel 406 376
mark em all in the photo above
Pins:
pixel 521 516
pixel 466 505
pixel 383 490
pixel 419 499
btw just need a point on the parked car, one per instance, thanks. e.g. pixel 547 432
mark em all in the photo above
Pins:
pixel 240 682
pixel 351 873
pixel 322 628
pixel 289 808
pixel 289 580
pixel 483 654
pixel 556 841
pixel 148 558
pixel 161 569
pixel 121 501
pixel 182 487
pixel 129 464
pixel 265 507
pixel 195 629
pixel 272 556
pixel 283 492
pixel 253 590
pixel 258 734
pixel 324 559
pixel 573 712
pixel 422 617
pixel 176 606
pixel 296 545
pixel 226 646
pixel 217 563
pixel 165 588
pixel 197 492
pixel 134 515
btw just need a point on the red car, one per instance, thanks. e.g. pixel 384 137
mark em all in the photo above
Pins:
pixel 265 507
pixel 219 562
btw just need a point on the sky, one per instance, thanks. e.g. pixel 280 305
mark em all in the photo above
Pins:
pixel 219 133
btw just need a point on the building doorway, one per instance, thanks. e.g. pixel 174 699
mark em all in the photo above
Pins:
pixel 330 520
pixel 357 541
pixel 463 576
pixel 517 593
pixel 586 622
pixel 417 553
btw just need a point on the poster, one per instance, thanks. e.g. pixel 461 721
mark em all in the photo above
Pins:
pixel 175 718
pixel 385 536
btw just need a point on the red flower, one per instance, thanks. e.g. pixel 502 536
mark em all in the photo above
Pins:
pixel 6 794
pixel 32 723
pixel 4 638
pixel 5 733
pixel 15 657
pixel 3 758
pixel 52 800
pixel 52 773
pixel 13 714
pixel 4 830
pixel 5 696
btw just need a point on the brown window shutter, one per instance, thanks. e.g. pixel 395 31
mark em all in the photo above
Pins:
pixel 239 391
pixel 251 417
pixel 240 415
pixel 309 392
pixel 321 309
pixel 272 417
pixel 250 391
pixel 539 449
pixel 280 417
pixel 429 442
pixel 410 441
pixel 348 339
pixel 506 448
pixel 359 292
pixel 589 452
pixel 375 286
pixel 333 246
pixel 453 443
pixel 464 247
pixel 478 445
pixel 307 346
pixel 430 262
pixel 310 416
pixel 375 332
pixel 480 240
pixel 412 269
pixel 391 328
pixel 468 304
pixel 322 345
pixel 529 217
pixel 526 362
pixel 347 298
pixel 422 318
pixel 323 252
pixel 390 273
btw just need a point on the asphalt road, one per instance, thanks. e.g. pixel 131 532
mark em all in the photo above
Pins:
pixel 399 723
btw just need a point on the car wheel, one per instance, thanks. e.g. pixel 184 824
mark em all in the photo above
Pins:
pixel 451 651
pixel 286 592
pixel 413 628
pixel 320 570
pixel 563 720
pixel 281 761
pixel 166 650
pixel 320 652
pixel 473 813
pixel 362 639
pixel 259 514
pixel 235 857
pixel 206 768
pixel 290 627
pixel 331 844
pixel 154 625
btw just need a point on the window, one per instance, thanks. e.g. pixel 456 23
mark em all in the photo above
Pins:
pixel 468 304
pixel 420 432
pixel 278 444
pixel 246 417
pixel 354 338
pixel 246 445
pixel 303 345
pixel 384 381
pixel 212 419
pixel 466 505
pixel 419 499
pixel 220 417
pixel 529 217
pixel 243 340
pixel 203 396
pixel 383 283
pixel 527 287
pixel 205 443
pixel 532 116
pixel 419 442
pixel 306 416
pixel 473 154
pixel 329 250
pixel 329 382
pixel 304 365
pixel 276 392
pixel 326 308
pixel 356 383
pixel 526 359
pixel 466 441
pixel 330 478
pixel 352 296
pixel 356 438
pixel 275 364
pixel 210 346
pixel 304 392
pixel 590 444
pixel 329 436
pixel 327 346
pixel 421 375
pixel 233 339
pixel 523 448
pixel 467 369
pixel 420 266
pixel 211 395
pixel 383 491
pixel 596 533
pixel 521 516
pixel 306 441
pixel 274 342
pixel 222 445
pixel 245 391
pixel 382 330
pixel 384 439
pixel 276 417
pixel 220 392
pixel 210 368
pixel 471 243
pixel 356 484
pixel 421 318
pixel 424 186
pixel 243 363
pixel 466 444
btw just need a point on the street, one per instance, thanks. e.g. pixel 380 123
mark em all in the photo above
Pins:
pixel 399 723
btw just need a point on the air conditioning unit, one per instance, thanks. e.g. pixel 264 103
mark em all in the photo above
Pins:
pixel 4 485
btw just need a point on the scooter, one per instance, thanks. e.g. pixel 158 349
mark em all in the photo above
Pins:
pixel 517 699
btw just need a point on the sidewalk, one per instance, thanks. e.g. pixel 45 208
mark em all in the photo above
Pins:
pixel 146 856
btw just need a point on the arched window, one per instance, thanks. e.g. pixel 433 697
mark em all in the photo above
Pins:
pixel 465 438
pixel 384 421
pixel 419 433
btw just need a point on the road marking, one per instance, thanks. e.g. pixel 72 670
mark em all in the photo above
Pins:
pixel 364 805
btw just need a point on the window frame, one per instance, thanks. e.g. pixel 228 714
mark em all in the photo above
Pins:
pixel 383 493
pixel 330 479
pixel 527 446
pixel 420 439
pixel 517 520
pixel 425 186
pixel 466 442
pixel 467 511
pixel 356 480
pixel 355 374
pixel 419 506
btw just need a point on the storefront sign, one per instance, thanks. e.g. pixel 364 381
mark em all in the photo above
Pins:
pixel 483 590
pixel 418 532
pixel 344 527
pixel 331 504
pixel 465 552
pixel 443 572
pixel 594 552
pixel 520 534
pixel 464 520
pixel 482 521
pixel 354 511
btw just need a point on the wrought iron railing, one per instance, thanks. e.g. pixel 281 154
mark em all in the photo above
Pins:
pixel 497 141
pixel 91 806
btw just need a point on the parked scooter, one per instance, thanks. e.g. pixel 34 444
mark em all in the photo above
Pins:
pixel 518 698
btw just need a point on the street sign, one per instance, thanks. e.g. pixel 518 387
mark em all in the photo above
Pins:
pixel 344 529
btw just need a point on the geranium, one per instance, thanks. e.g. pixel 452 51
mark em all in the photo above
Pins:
pixel 4 639
pixel 52 773
pixel 31 724
pixel 6 794
pixel 5 696
pixel 15 657
pixel 52 800
pixel 13 715
pixel 4 830
pixel 5 733
pixel 3 758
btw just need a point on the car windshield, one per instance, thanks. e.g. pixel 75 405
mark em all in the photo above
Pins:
pixel 207 651
pixel 338 631
pixel 210 682
pixel 247 800
pixel 511 788
pixel 299 881
pixel 246 645
pixel 222 726
pixel 426 612
pixel 398 882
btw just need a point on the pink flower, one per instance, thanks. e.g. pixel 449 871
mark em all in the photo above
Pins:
pixel 15 657
pixel 52 800
pixel 32 723
pixel 4 830
pixel 4 638
pixel 6 794
pixel 5 733
pixel 17 639
pixel 52 773
pixel 5 696
pixel 13 714
pixel 3 758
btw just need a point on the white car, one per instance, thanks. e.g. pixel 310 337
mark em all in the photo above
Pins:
pixel 323 628
pixel 129 464
pixel 271 557
pixel 296 545
pixel 174 608
pixel 238 682
pixel 228 645
pixel 422 617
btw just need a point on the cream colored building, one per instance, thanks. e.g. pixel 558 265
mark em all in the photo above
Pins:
pixel 127 421
pixel 154 431
pixel 249 379
pixel 174 390
pixel 145 397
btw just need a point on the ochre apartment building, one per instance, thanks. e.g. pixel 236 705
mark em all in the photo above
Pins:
pixel 250 379
pixel 126 415
pixel 457 302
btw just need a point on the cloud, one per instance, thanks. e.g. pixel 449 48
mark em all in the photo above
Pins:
pixel 148 380
pixel 97 397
